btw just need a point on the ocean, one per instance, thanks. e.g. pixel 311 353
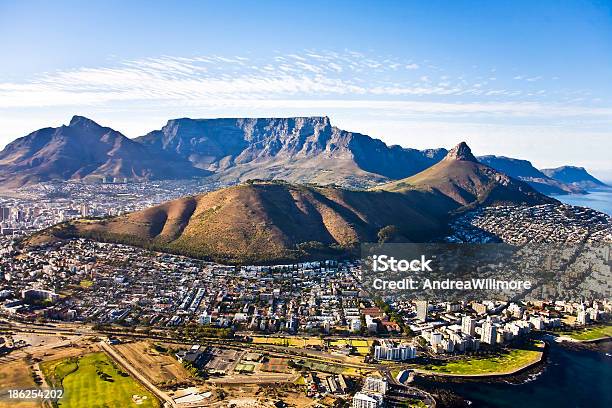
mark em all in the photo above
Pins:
pixel 600 200
pixel 569 379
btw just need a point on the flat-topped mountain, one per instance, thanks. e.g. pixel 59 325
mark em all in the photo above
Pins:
pixel 300 149
pixel 268 221
pixel 577 176
pixel 462 178
pixel 525 171
pixel 83 149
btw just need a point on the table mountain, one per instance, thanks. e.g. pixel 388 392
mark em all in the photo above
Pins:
pixel 300 149
pixel 85 150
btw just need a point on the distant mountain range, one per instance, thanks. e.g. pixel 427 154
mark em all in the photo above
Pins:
pixel 299 150
pixel 273 221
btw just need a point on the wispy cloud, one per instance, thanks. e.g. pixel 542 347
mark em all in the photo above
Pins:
pixel 312 79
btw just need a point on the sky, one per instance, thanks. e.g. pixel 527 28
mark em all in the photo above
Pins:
pixel 525 79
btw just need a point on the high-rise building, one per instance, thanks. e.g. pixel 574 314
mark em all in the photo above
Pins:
pixel 375 385
pixel 468 325
pixel 489 333
pixel 84 210
pixel 583 317
pixel 421 310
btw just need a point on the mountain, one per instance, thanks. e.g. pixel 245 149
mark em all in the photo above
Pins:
pixel 85 150
pixel 300 149
pixel 274 221
pixel 577 176
pixel 270 221
pixel 525 171
pixel 462 178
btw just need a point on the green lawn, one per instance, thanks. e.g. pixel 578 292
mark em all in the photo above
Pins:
pixel 94 381
pixel 592 333
pixel 501 363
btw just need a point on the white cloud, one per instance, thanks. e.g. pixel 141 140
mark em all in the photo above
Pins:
pixel 314 82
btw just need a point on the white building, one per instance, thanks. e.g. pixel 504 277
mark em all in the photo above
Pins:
pixel 489 333
pixel 468 325
pixel 375 385
pixel 583 317
pixel 363 400
pixel 389 351
pixel 421 310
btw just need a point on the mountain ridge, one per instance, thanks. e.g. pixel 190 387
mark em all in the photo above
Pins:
pixel 233 150
pixel 83 149
pixel 574 175
pixel 275 221
pixel 525 171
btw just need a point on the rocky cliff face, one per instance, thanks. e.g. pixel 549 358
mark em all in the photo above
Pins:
pixel 258 148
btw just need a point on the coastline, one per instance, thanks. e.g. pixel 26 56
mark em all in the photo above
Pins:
pixel 519 370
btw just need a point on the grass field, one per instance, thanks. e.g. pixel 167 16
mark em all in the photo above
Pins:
pixel 94 381
pixel 502 363
pixel 591 333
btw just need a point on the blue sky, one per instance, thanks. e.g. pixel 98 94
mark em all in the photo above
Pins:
pixel 525 79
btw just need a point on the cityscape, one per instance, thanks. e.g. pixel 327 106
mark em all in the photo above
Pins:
pixel 305 205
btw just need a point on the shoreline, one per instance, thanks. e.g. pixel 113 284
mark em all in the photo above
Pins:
pixel 540 360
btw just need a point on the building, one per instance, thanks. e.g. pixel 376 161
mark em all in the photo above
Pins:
pixel 195 356
pixel 42 295
pixel 489 333
pixel 375 385
pixel 421 310
pixel 583 317
pixel 468 325
pixel 84 210
pixel 537 322
pixel 363 400
pixel 389 351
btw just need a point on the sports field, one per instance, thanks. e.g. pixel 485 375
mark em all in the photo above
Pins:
pixel 93 380
pixel 502 363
